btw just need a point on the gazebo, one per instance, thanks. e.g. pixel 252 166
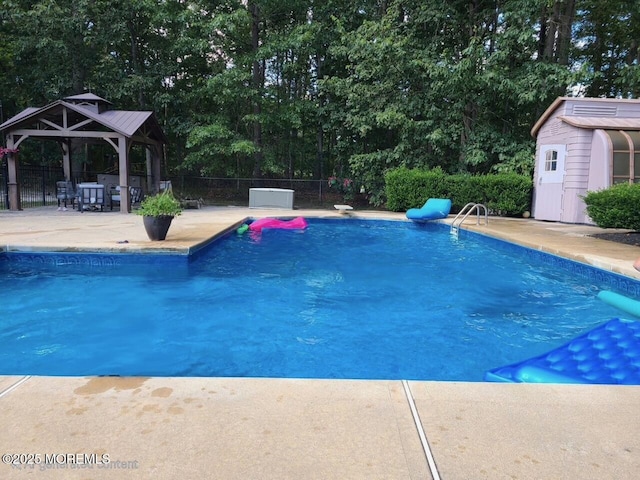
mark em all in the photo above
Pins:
pixel 89 118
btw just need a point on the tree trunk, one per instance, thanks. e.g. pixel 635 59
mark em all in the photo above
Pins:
pixel 257 78
pixel 318 171
pixel 567 15
pixel 542 39
pixel 551 33
pixel 468 120
pixel 79 72
pixel 135 60
pixel 557 32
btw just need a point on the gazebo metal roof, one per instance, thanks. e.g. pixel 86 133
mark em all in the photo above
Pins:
pixel 124 122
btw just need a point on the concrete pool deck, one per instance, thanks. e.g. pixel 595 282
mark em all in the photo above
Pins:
pixel 228 428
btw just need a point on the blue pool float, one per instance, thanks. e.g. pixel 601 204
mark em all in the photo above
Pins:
pixel 433 209
pixel 625 304
pixel 608 354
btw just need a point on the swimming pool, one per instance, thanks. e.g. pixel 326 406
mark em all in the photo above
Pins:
pixel 343 299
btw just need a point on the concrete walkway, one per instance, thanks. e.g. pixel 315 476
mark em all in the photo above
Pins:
pixel 239 428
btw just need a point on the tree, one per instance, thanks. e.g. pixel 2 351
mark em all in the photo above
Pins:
pixel 607 45
pixel 309 89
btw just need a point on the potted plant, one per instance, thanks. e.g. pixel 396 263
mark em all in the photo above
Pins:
pixel 157 213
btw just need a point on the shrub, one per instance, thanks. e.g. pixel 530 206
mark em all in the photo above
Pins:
pixel 406 188
pixel 615 207
pixel 507 194
pixel 464 189
pixel 504 194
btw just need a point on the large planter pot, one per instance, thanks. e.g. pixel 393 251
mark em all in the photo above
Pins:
pixel 157 227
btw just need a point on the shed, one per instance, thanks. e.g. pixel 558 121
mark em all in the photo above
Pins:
pixel 583 144
pixel 86 117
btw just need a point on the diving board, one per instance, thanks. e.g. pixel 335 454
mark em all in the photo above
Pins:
pixel 343 208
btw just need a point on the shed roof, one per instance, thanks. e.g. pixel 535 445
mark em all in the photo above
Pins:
pixel 605 121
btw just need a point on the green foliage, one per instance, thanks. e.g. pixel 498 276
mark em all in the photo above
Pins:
pixel 216 150
pixel 503 194
pixel 162 204
pixel 520 163
pixel 369 170
pixel 345 186
pixel 615 207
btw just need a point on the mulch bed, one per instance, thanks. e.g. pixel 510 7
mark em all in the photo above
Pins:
pixel 630 238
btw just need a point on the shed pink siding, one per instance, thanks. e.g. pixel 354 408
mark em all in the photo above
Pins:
pixel 599 168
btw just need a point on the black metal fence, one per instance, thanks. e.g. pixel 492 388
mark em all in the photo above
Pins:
pixel 235 191
pixel 37 185
pixel 38 188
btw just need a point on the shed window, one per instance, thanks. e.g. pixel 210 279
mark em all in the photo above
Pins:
pixel 625 155
pixel 551 161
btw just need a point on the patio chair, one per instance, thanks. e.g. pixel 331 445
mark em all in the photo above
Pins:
pixel 90 196
pixel 114 196
pixel 65 193
pixel 135 196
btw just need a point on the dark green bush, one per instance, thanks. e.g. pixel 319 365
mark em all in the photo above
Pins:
pixel 503 194
pixel 507 194
pixel 464 189
pixel 406 188
pixel 615 207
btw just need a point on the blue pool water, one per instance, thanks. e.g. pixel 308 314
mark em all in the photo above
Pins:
pixel 342 299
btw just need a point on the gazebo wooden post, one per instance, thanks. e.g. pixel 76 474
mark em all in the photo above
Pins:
pixel 157 164
pixel 13 186
pixel 66 159
pixel 123 167
pixel 149 157
pixel 153 168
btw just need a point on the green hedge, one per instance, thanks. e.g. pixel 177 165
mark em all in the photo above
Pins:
pixel 615 207
pixel 503 194
pixel 406 188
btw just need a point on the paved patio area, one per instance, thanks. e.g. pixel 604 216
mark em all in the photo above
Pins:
pixel 228 428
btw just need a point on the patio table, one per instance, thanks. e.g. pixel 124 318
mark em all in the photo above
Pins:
pixel 90 196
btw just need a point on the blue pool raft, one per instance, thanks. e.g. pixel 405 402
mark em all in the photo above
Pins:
pixel 608 354
pixel 433 209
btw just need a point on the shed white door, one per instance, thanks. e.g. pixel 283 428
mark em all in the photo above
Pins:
pixel 549 184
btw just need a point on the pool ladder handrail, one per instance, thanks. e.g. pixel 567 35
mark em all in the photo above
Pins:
pixel 466 211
